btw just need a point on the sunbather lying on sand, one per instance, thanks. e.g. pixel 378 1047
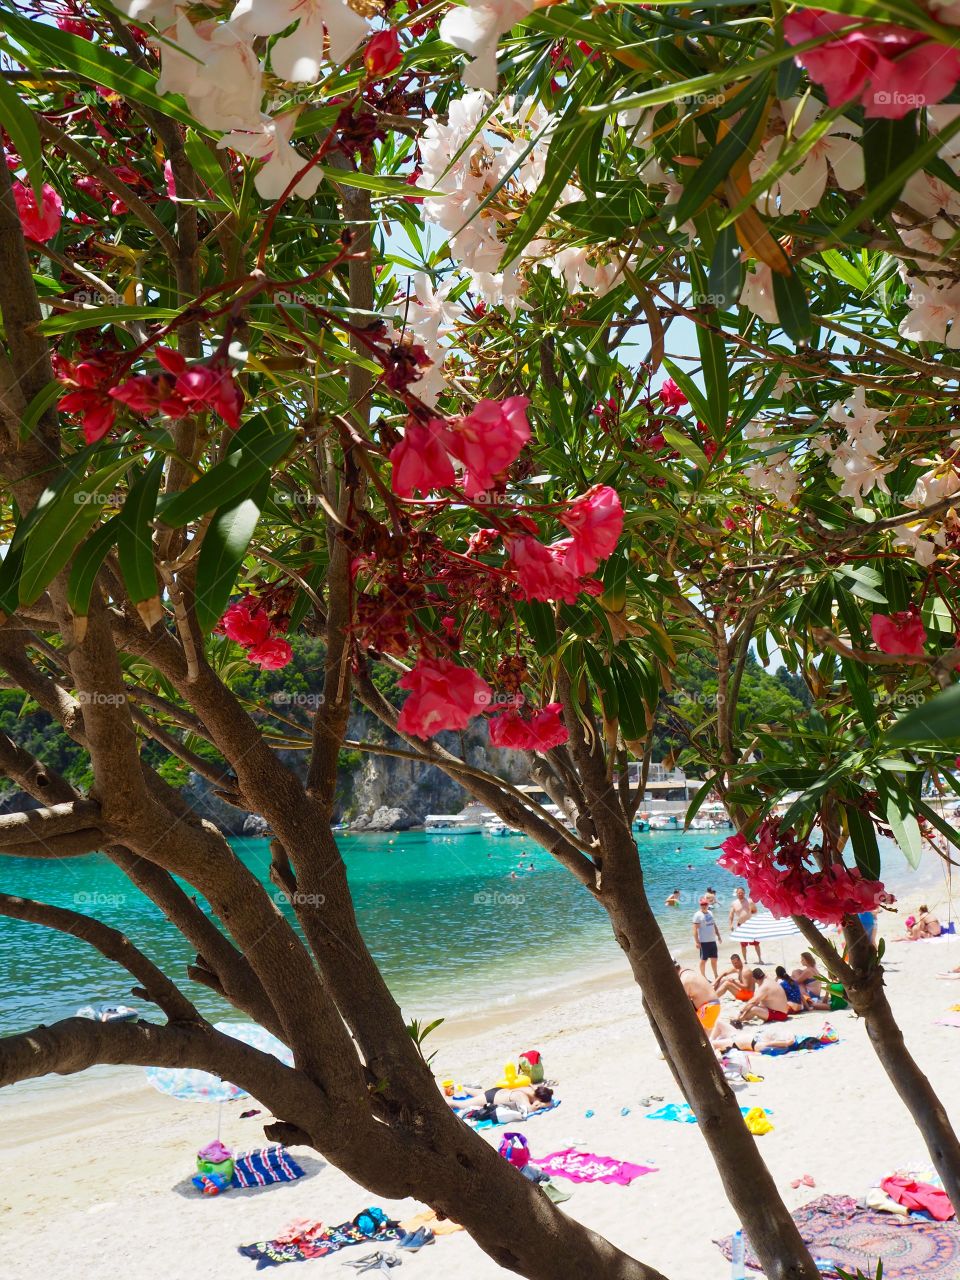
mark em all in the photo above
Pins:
pixel 525 1098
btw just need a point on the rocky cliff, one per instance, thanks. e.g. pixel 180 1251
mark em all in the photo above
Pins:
pixel 378 793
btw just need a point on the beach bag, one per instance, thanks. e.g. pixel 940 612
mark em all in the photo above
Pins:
pixel 215 1158
pixel 513 1147
pixel 837 996
pixel 531 1064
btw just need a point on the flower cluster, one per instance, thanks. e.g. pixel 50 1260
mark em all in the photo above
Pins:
pixel 899 633
pixel 777 875
pixel 182 389
pixel 40 222
pixel 485 442
pixel 249 624
pixel 538 732
pixel 856 462
pixel 889 69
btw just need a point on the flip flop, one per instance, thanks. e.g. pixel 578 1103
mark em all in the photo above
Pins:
pixel 376 1262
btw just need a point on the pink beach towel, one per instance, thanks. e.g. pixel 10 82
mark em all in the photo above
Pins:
pixel 949 1020
pixel 581 1166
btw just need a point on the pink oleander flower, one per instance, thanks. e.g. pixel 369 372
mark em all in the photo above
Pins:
pixel 488 440
pixel 271 655
pixel 246 622
pixel 777 876
pixel 420 461
pixel 95 410
pixel 889 69
pixel 211 387
pixel 596 522
pixel 382 54
pixel 540 573
pixel 671 397
pixel 899 632
pixel 442 696
pixel 40 222
pixel 543 730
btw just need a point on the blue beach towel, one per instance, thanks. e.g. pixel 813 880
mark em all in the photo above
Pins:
pixel 681 1113
pixel 260 1168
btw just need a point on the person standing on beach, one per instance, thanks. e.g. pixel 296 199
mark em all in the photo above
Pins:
pixel 741 910
pixel 706 935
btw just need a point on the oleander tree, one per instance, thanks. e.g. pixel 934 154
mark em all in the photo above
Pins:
pixel 521 353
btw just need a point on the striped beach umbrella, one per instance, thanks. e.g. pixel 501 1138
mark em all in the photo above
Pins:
pixel 763 927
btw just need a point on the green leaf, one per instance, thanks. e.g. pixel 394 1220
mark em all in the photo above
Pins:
pixel 790 298
pixel 898 814
pixel 561 161
pixel 689 389
pixel 38 406
pixel 235 475
pixel 134 540
pixel 19 122
pixel 95 317
pixel 863 837
pixel 684 445
pixel 10 571
pixel 383 186
pixel 886 145
pixel 716 165
pixel 204 163
pixel 726 270
pixel 86 566
pixel 224 546
pixel 60 525
pixel 713 360
pixel 539 621
pixel 92 62
pixel 936 723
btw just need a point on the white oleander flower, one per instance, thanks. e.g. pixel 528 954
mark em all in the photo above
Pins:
pixel 214 67
pixel 300 56
pixel 476 28
pixel 282 162
pixel 803 186
pixel 757 294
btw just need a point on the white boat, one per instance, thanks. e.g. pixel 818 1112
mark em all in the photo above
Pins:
pixel 450 824
pixel 108 1013
pixel 500 829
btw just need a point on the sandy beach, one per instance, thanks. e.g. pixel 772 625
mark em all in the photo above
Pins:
pixel 97 1167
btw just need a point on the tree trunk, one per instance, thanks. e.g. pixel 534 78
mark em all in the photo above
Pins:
pixel 862 979
pixel 747 1181
pixel 915 1090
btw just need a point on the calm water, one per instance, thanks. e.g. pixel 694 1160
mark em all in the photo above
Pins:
pixel 445 919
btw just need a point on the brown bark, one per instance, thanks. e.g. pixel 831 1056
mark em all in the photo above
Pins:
pixel 862 979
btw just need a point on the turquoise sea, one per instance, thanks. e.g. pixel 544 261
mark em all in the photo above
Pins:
pixel 455 922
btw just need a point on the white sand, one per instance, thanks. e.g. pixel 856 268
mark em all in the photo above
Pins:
pixel 95 1168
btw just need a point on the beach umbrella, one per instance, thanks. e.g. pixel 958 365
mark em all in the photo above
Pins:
pixel 764 927
pixel 193 1085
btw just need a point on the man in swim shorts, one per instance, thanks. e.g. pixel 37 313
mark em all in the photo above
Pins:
pixel 738 981
pixel 706 935
pixel 701 995
pixel 769 1003
pixel 741 909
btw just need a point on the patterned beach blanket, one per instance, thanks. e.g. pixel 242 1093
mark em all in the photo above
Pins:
pixel 302 1240
pixel 841 1234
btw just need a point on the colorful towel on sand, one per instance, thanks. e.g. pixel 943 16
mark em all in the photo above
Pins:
pixel 681 1113
pixel 922 1196
pixel 581 1166
pixel 302 1239
pixel 495 1124
pixel 260 1168
pixel 841 1234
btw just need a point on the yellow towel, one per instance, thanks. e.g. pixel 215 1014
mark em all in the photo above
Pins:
pixel 756 1121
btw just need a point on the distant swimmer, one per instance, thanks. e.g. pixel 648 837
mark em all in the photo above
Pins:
pixel 689 866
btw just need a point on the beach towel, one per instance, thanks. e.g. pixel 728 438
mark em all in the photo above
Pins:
pixel 951 1020
pixel 517 1119
pixel 301 1239
pixel 841 1234
pixel 919 1195
pixel 581 1166
pixel 260 1168
pixel 428 1219
pixel 681 1113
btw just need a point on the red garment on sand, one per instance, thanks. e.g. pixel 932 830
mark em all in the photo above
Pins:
pixel 919 1195
pixel 776 1015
